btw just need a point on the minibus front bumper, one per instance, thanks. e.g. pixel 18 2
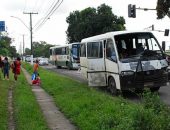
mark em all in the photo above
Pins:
pixel 138 80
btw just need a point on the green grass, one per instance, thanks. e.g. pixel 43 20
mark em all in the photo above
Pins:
pixel 28 115
pixel 4 86
pixel 90 109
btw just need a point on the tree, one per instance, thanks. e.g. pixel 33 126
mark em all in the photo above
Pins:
pixel 91 21
pixel 163 8
pixel 13 51
pixel 5 47
pixel 41 49
pixel 27 51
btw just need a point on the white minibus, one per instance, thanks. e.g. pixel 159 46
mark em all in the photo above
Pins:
pixel 65 56
pixel 124 60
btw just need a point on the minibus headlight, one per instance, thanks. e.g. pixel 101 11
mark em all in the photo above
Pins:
pixel 126 73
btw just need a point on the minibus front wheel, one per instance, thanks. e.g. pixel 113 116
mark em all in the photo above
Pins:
pixel 112 86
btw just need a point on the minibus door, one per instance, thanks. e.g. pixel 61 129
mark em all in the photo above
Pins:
pixel 95 64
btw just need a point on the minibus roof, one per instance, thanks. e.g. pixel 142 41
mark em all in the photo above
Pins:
pixel 64 45
pixel 109 35
pixel 59 46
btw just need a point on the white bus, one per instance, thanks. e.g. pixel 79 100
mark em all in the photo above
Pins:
pixel 66 56
pixel 124 60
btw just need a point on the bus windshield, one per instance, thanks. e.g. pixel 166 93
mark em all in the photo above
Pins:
pixel 75 51
pixel 137 44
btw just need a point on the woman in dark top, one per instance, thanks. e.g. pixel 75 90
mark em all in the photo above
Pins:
pixel 6 67
pixel 1 66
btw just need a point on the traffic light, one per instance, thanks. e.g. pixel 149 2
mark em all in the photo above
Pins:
pixel 132 11
pixel 152 27
pixel 166 32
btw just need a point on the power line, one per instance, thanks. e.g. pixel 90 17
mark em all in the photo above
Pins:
pixel 43 6
pixel 55 7
pixel 47 16
pixel 40 20
pixel 52 6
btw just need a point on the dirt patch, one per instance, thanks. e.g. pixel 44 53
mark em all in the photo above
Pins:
pixel 11 122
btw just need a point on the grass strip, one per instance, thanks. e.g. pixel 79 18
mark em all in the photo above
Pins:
pixel 4 86
pixel 90 109
pixel 28 115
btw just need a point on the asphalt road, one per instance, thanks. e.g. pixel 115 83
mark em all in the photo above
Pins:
pixel 164 91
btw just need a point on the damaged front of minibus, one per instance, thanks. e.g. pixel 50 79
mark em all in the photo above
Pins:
pixel 142 62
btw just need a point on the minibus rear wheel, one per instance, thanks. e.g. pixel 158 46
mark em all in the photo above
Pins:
pixel 112 86
pixel 68 65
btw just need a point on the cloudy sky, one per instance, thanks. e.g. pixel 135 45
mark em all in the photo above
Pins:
pixel 53 30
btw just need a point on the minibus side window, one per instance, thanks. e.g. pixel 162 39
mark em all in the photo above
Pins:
pixel 83 50
pixel 63 52
pixel 110 51
pixel 93 50
pixel 58 51
pixel 50 51
pixel 67 50
pixel 101 50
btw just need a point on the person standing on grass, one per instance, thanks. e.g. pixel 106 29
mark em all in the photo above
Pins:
pixel 16 68
pixel 35 68
pixel 1 66
pixel 6 68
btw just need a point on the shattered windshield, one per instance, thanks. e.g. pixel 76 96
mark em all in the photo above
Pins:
pixel 136 45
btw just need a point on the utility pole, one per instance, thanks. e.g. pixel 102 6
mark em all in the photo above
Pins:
pixel 31 29
pixel 23 44
pixel 31 34
pixel 20 49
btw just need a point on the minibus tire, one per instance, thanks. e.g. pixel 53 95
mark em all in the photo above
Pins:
pixel 58 67
pixel 68 66
pixel 155 89
pixel 112 86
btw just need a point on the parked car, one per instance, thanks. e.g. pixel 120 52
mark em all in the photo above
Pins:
pixel 28 58
pixel 43 61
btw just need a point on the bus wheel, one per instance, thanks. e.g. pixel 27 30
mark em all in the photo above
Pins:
pixel 68 66
pixel 154 89
pixel 58 67
pixel 112 86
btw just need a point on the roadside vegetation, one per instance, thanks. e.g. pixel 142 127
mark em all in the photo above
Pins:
pixel 27 113
pixel 4 86
pixel 90 109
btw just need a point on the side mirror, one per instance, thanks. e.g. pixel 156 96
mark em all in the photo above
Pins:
pixel 163 45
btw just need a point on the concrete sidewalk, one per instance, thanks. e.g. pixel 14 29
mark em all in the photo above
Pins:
pixel 55 119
